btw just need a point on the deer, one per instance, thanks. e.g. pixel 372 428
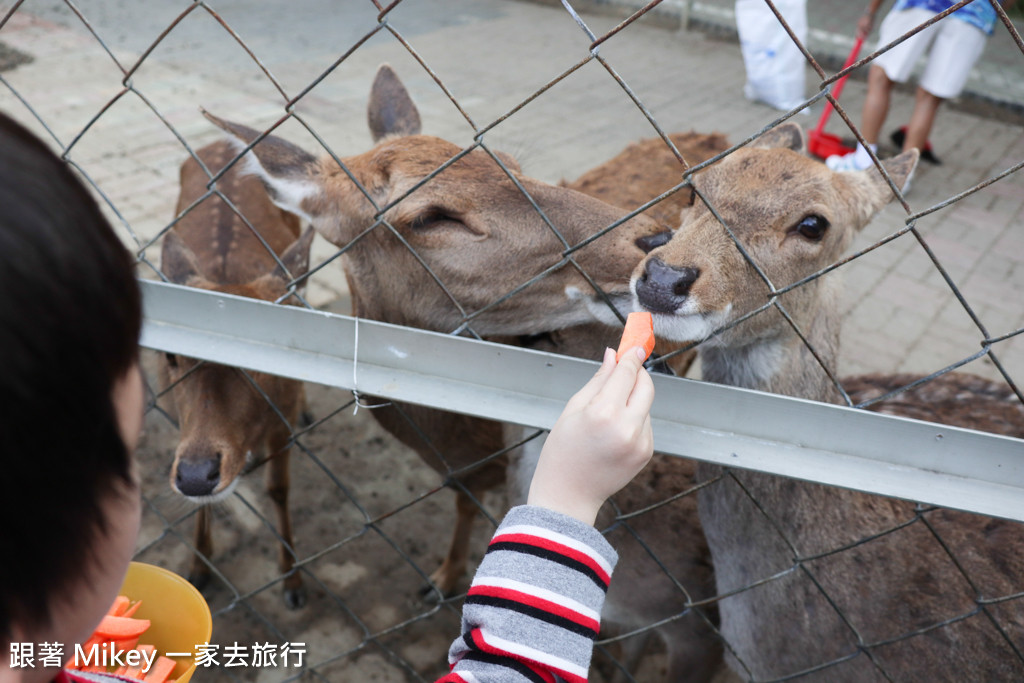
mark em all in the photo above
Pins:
pixel 857 608
pixel 465 232
pixel 648 168
pixel 646 590
pixel 477 233
pixel 228 420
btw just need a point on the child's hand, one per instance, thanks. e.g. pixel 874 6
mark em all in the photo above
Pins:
pixel 600 442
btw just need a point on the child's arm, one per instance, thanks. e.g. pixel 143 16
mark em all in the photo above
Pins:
pixel 599 443
pixel 534 607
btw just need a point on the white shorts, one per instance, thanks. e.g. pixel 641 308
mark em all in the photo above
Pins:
pixel 955 47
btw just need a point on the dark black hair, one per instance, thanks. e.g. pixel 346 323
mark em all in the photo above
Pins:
pixel 70 316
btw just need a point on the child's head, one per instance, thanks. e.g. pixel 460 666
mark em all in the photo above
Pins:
pixel 70 399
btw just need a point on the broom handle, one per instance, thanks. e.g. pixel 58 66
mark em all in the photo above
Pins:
pixel 838 87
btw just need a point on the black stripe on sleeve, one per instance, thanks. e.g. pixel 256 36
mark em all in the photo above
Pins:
pixel 551 556
pixel 535 612
pixel 476 655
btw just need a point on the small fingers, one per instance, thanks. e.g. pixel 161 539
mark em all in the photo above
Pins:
pixel 596 383
pixel 641 398
pixel 623 377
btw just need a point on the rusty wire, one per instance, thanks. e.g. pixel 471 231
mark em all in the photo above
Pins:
pixel 372 523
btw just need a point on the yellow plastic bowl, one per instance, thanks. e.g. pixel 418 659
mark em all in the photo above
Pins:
pixel 180 618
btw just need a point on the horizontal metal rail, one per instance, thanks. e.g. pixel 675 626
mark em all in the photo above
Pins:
pixel 833 445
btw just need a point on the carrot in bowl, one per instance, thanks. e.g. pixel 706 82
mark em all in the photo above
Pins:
pixel 121 628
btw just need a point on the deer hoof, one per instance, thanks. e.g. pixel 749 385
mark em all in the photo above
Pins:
pixel 199 579
pixel 295 598
pixel 432 594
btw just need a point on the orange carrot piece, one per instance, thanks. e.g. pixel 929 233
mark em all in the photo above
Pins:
pixel 132 609
pixel 121 628
pixel 160 671
pixel 124 644
pixel 119 606
pixel 639 331
pixel 134 672
pixel 86 647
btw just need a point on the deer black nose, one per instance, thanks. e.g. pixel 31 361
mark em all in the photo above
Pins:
pixel 664 288
pixel 198 477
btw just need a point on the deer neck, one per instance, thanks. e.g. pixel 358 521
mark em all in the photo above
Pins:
pixel 777 360
pixel 781 364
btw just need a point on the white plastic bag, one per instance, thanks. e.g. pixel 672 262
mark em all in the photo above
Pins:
pixel 776 68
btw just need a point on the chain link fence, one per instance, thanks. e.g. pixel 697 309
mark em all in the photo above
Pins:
pixel 339 559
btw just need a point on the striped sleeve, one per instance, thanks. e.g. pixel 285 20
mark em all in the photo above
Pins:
pixel 534 608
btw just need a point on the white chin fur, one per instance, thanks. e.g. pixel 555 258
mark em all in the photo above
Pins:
pixel 217 497
pixel 688 325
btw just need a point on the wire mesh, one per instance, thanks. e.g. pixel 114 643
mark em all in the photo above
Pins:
pixel 370 502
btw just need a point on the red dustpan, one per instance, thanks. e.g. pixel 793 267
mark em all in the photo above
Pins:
pixel 820 143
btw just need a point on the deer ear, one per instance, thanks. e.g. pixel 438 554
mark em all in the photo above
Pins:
pixel 178 263
pixel 289 173
pixel 296 257
pixel 899 168
pixel 787 135
pixel 391 110
pixel 867 190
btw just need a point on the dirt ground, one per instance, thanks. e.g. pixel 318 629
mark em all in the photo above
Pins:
pixel 371 520
pixel 369 523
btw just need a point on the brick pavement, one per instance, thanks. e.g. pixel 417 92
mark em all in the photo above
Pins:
pixel 899 312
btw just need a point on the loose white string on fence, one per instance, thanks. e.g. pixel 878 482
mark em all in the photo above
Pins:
pixel 355 369
pixel 355 377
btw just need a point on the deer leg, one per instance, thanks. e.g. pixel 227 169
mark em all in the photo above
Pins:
pixel 694 651
pixel 630 652
pixel 277 483
pixel 453 567
pixel 478 482
pixel 202 540
pixel 306 418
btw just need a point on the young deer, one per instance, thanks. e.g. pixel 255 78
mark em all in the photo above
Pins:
pixel 478 234
pixel 226 420
pixel 898 607
pixel 652 584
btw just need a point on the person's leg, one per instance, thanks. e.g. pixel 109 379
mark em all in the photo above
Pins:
pixel 957 47
pixel 872 118
pixel 892 66
pixel 920 126
pixel 876 104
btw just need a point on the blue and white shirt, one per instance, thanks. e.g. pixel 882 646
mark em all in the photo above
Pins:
pixel 978 13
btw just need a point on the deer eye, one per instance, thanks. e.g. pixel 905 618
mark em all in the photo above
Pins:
pixel 429 219
pixel 172 360
pixel 812 227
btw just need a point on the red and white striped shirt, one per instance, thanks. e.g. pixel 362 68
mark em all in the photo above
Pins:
pixel 534 609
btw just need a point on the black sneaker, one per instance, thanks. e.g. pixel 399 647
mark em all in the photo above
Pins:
pixel 899 135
